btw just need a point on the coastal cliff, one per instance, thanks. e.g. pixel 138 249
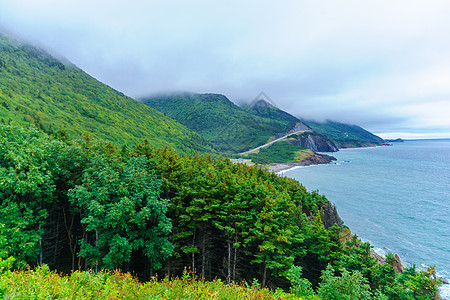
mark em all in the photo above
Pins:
pixel 396 262
pixel 309 160
pixel 345 135
pixel 314 141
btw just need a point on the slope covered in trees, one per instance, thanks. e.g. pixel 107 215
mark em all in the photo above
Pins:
pixel 229 127
pixel 236 129
pixel 345 135
pixel 105 208
pixel 264 109
pixel 56 96
pixel 78 205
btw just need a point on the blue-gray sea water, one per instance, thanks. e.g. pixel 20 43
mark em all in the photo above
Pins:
pixel 397 197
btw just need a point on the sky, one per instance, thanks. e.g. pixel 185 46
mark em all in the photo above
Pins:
pixel 383 65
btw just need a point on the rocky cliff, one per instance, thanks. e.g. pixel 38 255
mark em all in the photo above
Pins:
pixel 331 216
pixel 314 141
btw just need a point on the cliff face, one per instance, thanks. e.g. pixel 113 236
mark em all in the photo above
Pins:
pixel 314 141
pixel 345 135
pixel 331 216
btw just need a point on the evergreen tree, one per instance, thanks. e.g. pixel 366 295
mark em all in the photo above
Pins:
pixel 122 212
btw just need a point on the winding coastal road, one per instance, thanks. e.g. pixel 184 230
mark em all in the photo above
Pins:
pixel 274 141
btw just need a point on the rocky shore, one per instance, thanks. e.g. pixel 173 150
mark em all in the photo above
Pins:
pixel 313 159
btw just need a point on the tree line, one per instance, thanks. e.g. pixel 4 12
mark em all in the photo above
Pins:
pixel 89 204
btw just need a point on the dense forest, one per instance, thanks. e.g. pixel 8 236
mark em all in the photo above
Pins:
pixel 86 204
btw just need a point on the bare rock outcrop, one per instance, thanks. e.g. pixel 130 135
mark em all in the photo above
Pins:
pixel 314 141
pixel 397 264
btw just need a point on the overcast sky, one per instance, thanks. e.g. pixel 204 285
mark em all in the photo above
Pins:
pixel 384 65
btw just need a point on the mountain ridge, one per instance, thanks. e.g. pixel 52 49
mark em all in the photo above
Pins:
pixel 342 134
pixel 229 127
pixel 248 127
pixel 55 95
pixel 346 135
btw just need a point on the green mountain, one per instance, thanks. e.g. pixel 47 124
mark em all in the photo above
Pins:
pixel 227 126
pixel 53 94
pixel 308 138
pixel 345 135
pixel 264 109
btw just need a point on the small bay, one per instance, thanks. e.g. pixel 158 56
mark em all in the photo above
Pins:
pixel 397 197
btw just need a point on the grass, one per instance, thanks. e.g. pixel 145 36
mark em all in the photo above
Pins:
pixel 41 283
pixel 280 152
pixel 303 153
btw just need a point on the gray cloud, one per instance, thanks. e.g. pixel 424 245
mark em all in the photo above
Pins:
pixel 383 65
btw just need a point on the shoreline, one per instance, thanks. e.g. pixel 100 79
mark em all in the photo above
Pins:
pixel 312 160
pixel 441 271
pixel 281 168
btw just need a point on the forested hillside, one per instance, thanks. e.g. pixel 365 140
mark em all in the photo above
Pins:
pixel 345 135
pixel 88 204
pixel 264 109
pixel 236 129
pixel 229 127
pixel 36 88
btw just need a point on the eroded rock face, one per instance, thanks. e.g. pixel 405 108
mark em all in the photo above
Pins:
pixel 380 259
pixel 315 142
pixel 317 159
pixel 397 264
pixel 331 216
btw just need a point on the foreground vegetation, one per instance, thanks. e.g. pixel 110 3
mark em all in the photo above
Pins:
pixel 87 204
pixel 41 283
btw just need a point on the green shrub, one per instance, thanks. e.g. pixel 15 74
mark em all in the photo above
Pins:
pixel 351 286
pixel 41 283
pixel 301 287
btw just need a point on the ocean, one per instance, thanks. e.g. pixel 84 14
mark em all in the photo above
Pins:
pixel 396 197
